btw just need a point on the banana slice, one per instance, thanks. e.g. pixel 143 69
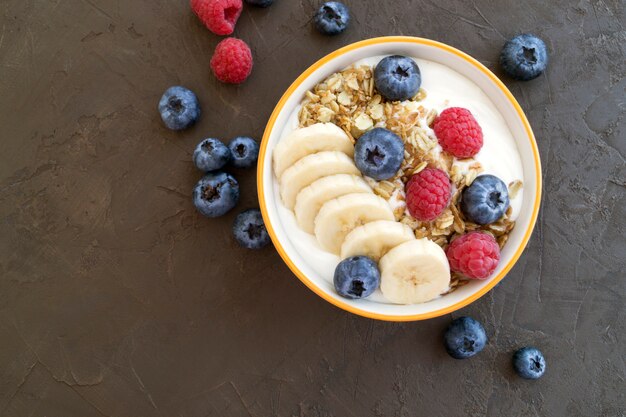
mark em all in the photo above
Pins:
pixel 414 272
pixel 311 199
pixel 340 216
pixel 310 168
pixel 302 142
pixel 375 239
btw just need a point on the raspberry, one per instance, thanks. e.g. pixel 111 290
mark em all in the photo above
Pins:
pixel 232 61
pixel 219 16
pixel 458 132
pixel 428 194
pixel 475 255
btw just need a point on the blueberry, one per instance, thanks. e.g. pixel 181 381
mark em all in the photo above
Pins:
pixel 397 78
pixel 245 151
pixel 260 3
pixel 486 200
pixel 524 57
pixel 179 108
pixel 215 194
pixel 210 155
pixel 249 229
pixel 379 153
pixel 332 18
pixel 464 338
pixel 529 363
pixel 356 277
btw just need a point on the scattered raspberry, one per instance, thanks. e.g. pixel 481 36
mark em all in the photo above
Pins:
pixel 458 132
pixel 428 194
pixel 232 61
pixel 219 16
pixel 475 255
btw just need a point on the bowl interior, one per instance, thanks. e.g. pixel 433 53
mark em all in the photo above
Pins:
pixel 502 99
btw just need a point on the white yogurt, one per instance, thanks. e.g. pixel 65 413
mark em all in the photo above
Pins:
pixel 445 88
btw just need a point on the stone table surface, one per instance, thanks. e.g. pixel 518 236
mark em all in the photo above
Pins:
pixel 117 299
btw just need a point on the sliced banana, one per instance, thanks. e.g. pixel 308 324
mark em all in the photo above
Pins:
pixel 302 142
pixel 310 168
pixel 375 239
pixel 414 272
pixel 311 199
pixel 340 216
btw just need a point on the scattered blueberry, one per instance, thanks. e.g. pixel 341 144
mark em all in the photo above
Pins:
pixel 179 108
pixel 260 3
pixel 524 57
pixel 379 153
pixel 464 338
pixel 215 194
pixel 210 155
pixel 249 229
pixel 332 18
pixel 356 277
pixel 397 78
pixel 529 363
pixel 245 151
pixel 486 200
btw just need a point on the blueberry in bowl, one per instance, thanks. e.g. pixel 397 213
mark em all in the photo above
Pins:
pixel 179 108
pixel 245 152
pixel 210 155
pixel 464 338
pixel 249 229
pixel 397 78
pixel 485 200
pixel 332 18
pixel 378 153
pixel 216 194
pixel 356 277
pixel 524 57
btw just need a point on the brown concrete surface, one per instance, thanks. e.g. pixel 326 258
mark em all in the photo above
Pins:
pixel 117 299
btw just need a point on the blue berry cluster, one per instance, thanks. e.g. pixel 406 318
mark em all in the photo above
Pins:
pixel 465 337
pixel 217 192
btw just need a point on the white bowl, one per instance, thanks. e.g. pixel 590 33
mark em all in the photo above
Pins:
pixel 500 96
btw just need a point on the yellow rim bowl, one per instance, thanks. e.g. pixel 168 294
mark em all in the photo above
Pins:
pixel 497 93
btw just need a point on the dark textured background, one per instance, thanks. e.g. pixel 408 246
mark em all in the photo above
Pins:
pixel 118 299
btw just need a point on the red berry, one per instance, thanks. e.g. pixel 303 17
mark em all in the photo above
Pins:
pixel 458 132
pixel 475 255
pixel 428 194
pixel 219 16
pixel 232 61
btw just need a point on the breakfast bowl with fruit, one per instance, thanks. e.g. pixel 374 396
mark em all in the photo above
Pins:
pixel 399 179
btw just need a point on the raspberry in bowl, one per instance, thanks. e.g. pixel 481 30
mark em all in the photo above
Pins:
pixel 344 198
